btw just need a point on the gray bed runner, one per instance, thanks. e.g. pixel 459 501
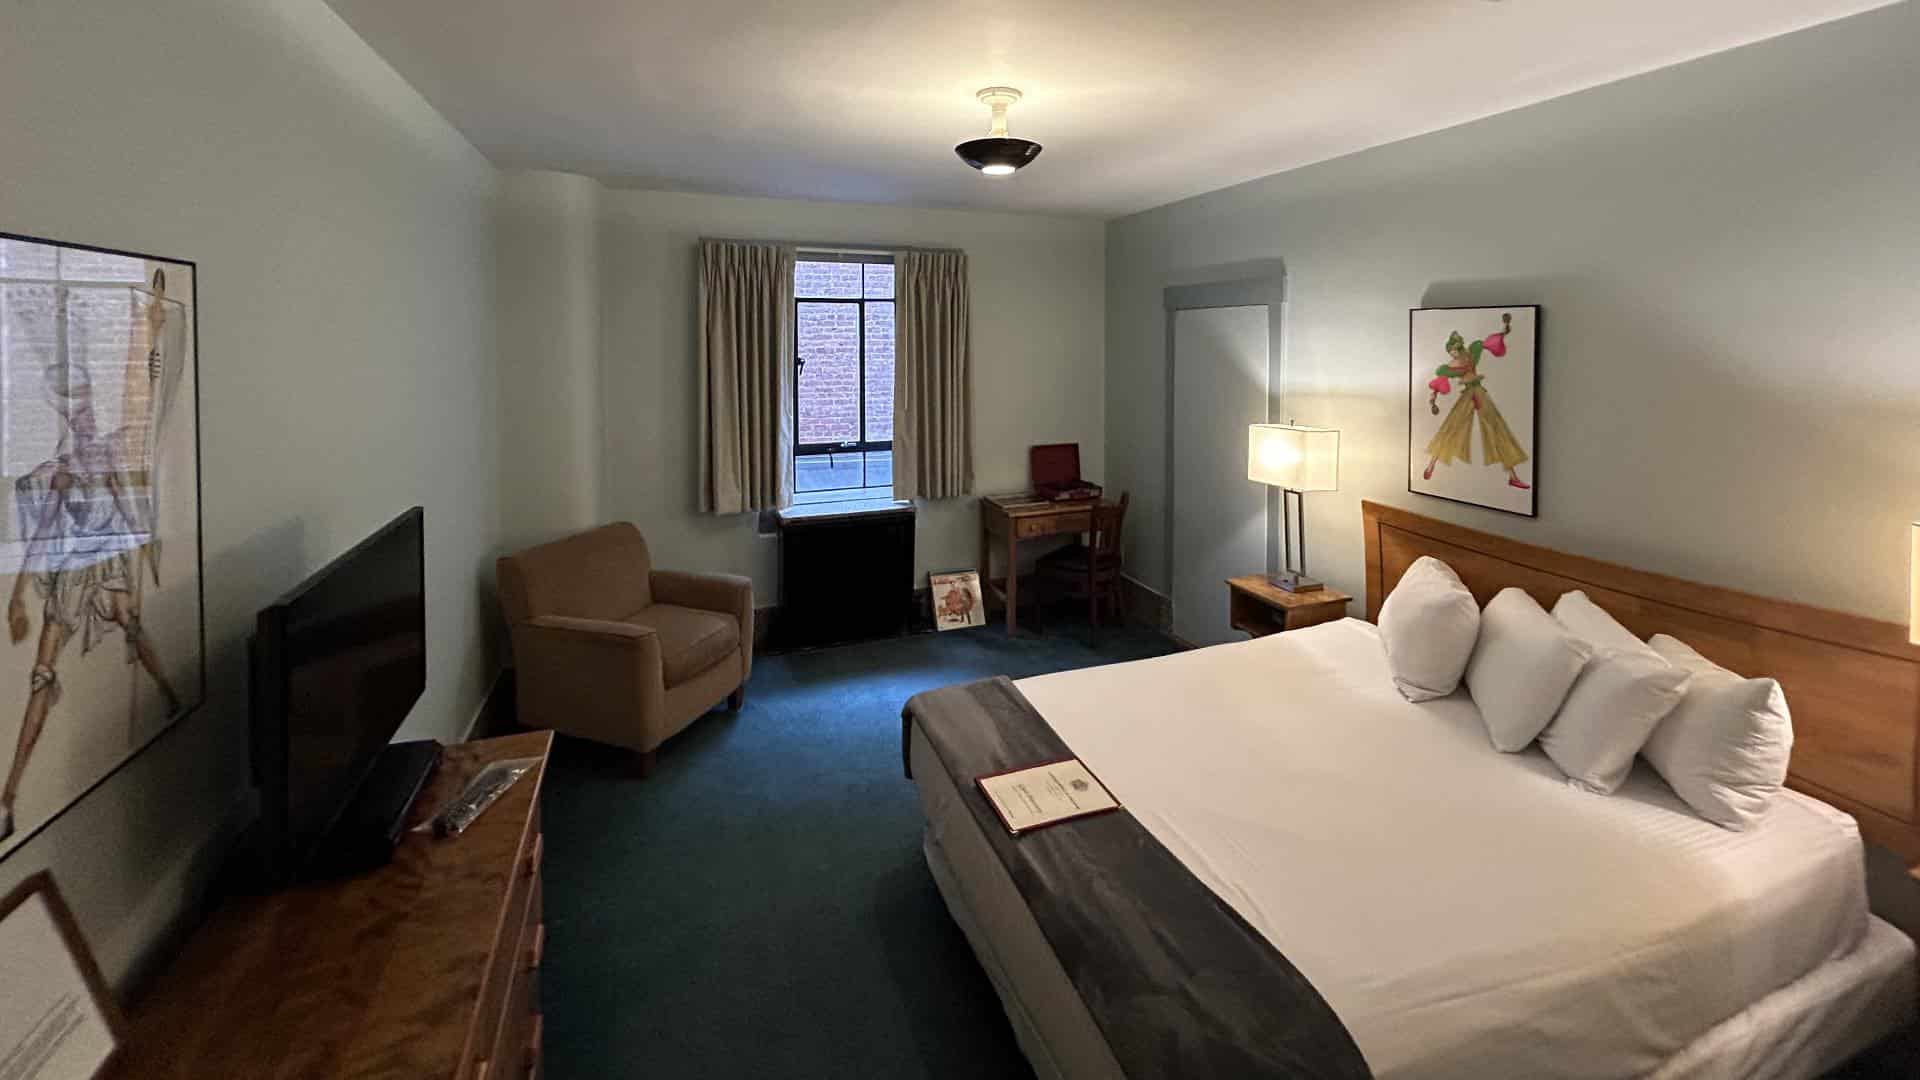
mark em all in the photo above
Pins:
pixel 1179 983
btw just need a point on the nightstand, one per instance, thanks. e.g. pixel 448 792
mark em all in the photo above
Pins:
pixel 1261 608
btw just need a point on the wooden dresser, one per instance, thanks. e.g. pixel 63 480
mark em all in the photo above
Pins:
pixel 426 969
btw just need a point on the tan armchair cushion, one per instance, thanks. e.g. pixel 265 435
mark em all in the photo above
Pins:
pixel 691 640
pixel 726 594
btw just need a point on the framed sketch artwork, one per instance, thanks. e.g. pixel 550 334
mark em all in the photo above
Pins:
pixel 100 527
pixel 1472 374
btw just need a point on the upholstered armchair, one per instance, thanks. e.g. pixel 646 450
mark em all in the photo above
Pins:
pixel 608 648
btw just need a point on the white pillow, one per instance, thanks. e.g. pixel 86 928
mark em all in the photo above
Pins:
pixel 1522 668
pixel 1625 691
pixel 1578 613
pixel 1724 750
pixel 1428 624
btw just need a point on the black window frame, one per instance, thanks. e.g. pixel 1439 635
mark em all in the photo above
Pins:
pixel 862 444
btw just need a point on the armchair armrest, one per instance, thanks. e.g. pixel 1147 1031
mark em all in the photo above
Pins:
pixel 726 594
pixel 598 631
pixel 590 677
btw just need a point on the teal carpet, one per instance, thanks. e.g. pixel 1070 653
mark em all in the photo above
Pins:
pixel 759 906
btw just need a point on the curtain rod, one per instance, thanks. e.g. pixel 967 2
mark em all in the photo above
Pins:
pixel 839 247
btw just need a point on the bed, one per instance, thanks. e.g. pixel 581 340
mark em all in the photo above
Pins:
pixel 1467 913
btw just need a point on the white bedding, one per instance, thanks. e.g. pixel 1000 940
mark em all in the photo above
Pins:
pixel 1466 913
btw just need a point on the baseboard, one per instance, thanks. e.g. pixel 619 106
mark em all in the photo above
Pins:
pixel 1145 606
pixel 1140 606
pixel 495 716
pixel 196 885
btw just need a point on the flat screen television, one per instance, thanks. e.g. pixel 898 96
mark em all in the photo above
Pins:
pixel 338 663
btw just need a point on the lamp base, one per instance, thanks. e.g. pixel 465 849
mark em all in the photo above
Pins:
pixel 1294 581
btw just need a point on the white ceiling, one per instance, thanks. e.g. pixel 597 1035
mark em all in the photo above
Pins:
pixel 1137 103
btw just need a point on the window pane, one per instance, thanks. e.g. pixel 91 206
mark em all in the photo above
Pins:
pixel 825 472
pixel 879 279
pixel 830 477
pixel 829 340
pixel 880 469
pixel 879 331
pixel 826 280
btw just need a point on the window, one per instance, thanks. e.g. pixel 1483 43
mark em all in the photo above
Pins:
pixel 843 386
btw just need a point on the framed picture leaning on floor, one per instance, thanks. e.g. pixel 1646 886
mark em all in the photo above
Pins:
pixel 1471 405
pixel 957 602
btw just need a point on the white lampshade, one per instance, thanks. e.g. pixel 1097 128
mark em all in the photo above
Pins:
pixel 1293 457
pixel 1913 571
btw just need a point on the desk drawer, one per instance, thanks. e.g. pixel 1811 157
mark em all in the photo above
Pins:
pixel 1078 521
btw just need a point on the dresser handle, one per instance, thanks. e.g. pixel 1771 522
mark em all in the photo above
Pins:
pixel 480 1069
pixel 538 951
pixel 533 1041
pixel 533 857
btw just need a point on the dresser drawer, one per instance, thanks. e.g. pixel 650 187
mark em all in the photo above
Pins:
pixel 509 957
pixel 515 1050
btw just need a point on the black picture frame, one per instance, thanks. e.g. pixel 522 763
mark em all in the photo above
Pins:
pixel 195 696
pixel 1530 438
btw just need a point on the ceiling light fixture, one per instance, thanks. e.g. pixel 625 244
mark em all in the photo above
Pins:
pixel 998 154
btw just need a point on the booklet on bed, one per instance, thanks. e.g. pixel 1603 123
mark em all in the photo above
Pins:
pixel 1043 795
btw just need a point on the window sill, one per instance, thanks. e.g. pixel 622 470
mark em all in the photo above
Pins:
pixel 880 504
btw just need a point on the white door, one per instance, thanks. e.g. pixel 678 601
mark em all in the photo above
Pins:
pixel 1219 516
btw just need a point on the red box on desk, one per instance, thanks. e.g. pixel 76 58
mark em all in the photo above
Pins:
pixel 1055 469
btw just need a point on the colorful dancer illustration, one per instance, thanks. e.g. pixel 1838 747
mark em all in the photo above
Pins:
pixel 92 525
pixel 1454 441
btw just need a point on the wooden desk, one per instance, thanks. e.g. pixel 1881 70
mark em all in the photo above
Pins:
pixel 1013 518
pixel 425 969
pixel 1260 607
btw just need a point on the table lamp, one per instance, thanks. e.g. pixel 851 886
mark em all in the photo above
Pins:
pixel 1294 459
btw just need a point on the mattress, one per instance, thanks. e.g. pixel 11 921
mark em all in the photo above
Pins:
pixel 1467 913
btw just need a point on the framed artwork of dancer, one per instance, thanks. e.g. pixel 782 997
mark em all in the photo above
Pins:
pixel 100 527
pixel 1471 405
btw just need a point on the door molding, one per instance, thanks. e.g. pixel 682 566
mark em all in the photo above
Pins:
pixel 1261 282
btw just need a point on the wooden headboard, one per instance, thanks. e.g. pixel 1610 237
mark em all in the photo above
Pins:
pixel 1852 683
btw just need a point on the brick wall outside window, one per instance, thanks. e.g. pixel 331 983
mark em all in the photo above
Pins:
pixel 828 336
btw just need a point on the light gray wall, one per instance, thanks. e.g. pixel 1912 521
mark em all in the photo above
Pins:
pixel 344 235
pixel 1726 252
pixel 1037 358
pixel 549 307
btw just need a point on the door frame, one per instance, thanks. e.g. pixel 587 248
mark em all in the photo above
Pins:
pixel 1262 283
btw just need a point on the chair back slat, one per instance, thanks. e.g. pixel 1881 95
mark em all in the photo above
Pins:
pixel 1103 538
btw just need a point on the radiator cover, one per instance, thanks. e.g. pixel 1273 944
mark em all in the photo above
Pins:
pixel 844 575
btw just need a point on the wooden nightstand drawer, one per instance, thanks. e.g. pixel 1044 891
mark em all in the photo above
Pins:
pixel 1259 607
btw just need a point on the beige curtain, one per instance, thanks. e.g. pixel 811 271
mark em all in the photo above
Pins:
pixel 932 403
pixel 746 376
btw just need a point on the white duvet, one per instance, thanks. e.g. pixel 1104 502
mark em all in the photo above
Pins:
pixel 1466 912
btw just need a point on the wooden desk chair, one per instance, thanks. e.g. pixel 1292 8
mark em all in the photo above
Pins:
pixel 1091 570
